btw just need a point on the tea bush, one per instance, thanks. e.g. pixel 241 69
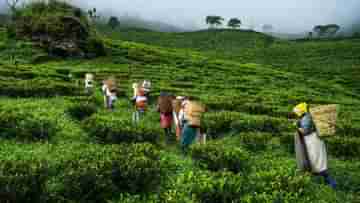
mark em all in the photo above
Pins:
pixel 79 172
pixel 37 88
pixel 216 156
pixel 255 141
pixel 82 110
pixel 97 174
pixel 288 142
pixel 346 147
pixel 218 187
pixel 111 129
pixel 221 122
pixel 23 181
pixel 265 186
pixel 25 125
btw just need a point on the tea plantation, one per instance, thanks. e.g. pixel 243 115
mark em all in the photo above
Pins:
pixel 59 145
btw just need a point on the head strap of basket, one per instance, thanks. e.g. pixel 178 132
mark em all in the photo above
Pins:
pixel 89 76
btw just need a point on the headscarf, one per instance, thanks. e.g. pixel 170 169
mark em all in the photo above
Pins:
pixel 300 109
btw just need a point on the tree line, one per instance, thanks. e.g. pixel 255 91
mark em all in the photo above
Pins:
pixel 325 30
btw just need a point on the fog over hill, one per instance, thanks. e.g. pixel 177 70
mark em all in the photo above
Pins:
pixel 286 16
pixel 289 16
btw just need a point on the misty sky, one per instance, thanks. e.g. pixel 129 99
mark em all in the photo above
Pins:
pixel 285 15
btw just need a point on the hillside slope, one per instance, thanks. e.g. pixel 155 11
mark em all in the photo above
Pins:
pixel 59 144
pixel 336 60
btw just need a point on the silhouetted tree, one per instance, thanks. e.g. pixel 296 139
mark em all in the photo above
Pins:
pixel 214 21
pixel 93 14
pixel 332 29
pixel 329 30
pixel 319 29
pixel 310 35
pixel 234 23
pixel 12 4
pixel 267 28
pixel 113 22
pixel 78 12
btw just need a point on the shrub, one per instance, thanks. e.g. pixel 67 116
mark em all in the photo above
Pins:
pixel 281 185
pixel 222 122
pixel 37 88
pixel 288 141
pixel 255 141
pixel 97 174
pixel 82 110
pixel 218 187
pixel 216 156
pixel 111 129
pixel 23 181
pixel 78 172
pixel 346 147
pixel 23 125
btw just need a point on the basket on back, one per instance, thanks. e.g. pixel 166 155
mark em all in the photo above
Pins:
pixel 324 117
pixel 176 104
pixel 89 76
pixel 165 104
pixel 193 112
pixel 111 84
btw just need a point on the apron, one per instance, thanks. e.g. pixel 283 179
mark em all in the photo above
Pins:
pixel 316 151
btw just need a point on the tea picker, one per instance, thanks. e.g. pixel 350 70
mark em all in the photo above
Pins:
pixel 311 154
pixel 146 85
pixel 109 90
pixel 164 106
pixel 89 83
pixel 191 123
pixel 140 100
pixel 176 104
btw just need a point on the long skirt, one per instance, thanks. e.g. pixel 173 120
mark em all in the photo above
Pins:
pixel 166 120
pixel 188 136
pixel 317 154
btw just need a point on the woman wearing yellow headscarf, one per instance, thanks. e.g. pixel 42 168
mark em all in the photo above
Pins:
pixel 310 150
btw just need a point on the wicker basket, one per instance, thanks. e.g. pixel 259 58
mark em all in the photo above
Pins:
pixel 324 117
pixel 193 112
pixel 89 76
pixel 165 104
pixel 111 84
pixel 176 103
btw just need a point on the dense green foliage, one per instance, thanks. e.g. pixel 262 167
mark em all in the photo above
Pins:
pixel 116 130
pixel 59 27
pixel 59 145
pixel 217 156
pixel 89 173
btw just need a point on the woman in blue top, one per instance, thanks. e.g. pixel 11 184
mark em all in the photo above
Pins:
pixel 310 150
